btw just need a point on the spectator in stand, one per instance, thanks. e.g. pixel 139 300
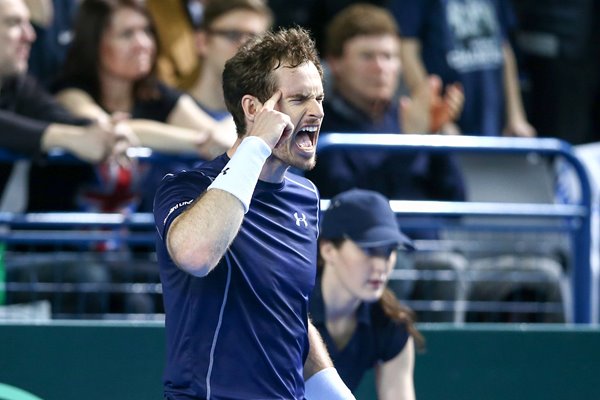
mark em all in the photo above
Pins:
pixel 466 41
pixel 363 55
pixel 31 121
pixel 109 73
pixel 360 320
pixel 226 25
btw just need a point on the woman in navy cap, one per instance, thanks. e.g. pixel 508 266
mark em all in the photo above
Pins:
pixel 360 319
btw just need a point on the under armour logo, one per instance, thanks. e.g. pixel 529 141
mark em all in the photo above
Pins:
pixel 298 219
pixel 224 172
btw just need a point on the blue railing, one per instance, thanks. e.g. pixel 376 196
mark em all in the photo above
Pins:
pixel 584 279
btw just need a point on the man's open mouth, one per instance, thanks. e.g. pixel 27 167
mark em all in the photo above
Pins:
pixel 305 138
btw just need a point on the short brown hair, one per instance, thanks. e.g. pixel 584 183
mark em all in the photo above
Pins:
pixel 250 71
pixel 217 8
pixel 358 20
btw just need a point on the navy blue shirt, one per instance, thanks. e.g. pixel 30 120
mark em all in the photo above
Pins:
pixel 377 338
pixel 461 41
pixel 241 331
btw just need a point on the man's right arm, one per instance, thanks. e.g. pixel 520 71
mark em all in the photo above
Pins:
pixel 198 238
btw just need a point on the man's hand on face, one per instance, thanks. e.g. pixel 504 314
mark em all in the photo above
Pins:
pixel 269 124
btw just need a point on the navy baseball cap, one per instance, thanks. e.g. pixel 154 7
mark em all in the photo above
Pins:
pixel 365 217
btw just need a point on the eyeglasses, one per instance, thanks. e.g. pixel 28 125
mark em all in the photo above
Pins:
pixel 233 35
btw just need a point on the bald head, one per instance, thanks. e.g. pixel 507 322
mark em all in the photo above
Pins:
pixel 16 36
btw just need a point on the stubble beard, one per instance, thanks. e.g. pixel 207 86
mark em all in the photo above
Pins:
pixel 287 157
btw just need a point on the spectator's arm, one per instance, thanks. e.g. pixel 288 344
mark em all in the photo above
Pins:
pixel 159 136
pixel 21 134
pixel 414 72
pixel 81 104
pixel 92 143
pixel 516 120
pixel 168 138
pixel 221 134
pixel 31 137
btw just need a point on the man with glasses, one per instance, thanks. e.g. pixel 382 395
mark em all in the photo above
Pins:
pixel 226 25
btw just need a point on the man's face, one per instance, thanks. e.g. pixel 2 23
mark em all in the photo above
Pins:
pixel 226 34
pixel 16 36
pixel 368 69
pixel 302 100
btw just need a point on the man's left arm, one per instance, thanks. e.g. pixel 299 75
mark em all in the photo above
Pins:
pixel 322 382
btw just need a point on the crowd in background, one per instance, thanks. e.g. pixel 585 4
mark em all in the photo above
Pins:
pixel 150 70
pixel 98 77
pixel 95 77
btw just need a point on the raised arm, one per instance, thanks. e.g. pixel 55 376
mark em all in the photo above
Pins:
pixel 198 238
pixel 394 378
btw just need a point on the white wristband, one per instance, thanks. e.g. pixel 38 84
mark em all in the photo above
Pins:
pixel 327 385
pixel 241 173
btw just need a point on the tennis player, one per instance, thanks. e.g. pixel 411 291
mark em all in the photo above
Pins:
pixel 238 236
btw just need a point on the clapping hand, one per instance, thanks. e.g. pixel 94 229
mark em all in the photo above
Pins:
pixel 427 110
pixel 124 138
pixel 447 108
